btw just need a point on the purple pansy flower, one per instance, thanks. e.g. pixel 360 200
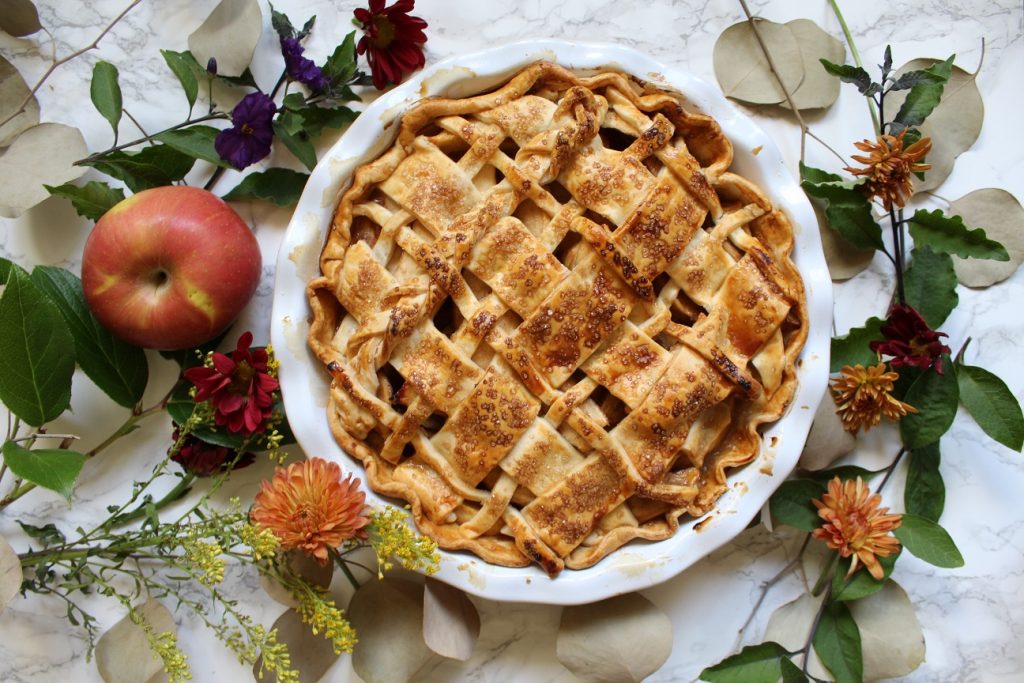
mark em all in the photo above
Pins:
pixel 299 68
pixel 248 139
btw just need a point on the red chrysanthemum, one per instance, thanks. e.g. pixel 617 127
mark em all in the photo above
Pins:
pixel 909 340
pixel 309 506
pixel 205 459
pixel 392 40
pixel 238 386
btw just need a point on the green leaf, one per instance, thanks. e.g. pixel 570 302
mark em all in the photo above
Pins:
pixel 929 542
pixel 992 405
pixel 837 642
pixel 152 166
pixel 38 356
pixel 912 78
pixel 52 468
pixel 194 141
pixel 315 119
pixel 791 504
pixel 844 472
pixel 295 139
pixel 281 24
pixel 188 358
pixel 861 584
pixel 847 210
pixel 753 664
pixel 852 347
pixel 246 80
pixel 185 67
pixel 930 285
pixel 936 398
pixel 923 97
pixel 91 200
pixel 948 234
pixel 790 672
pixel 5 270
pixel 106 93
pixel 817 176
pixel 849 74
pixel 118 368
pixel 924 494
pixel 340 67
pixel 294 101
pixel 48 535
pixel 282 186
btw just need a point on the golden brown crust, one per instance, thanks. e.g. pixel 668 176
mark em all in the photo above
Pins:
pixel 554 319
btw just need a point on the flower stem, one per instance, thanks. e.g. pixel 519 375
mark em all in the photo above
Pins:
pixel 897 259
pixel 179 490
pixel 825 578
pixel 890 469
pixel 856 57
pixel 343 566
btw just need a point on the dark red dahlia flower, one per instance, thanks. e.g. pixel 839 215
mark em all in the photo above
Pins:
pixel 205 460
pixel 238 386
pixel 392 40
pixel 909 340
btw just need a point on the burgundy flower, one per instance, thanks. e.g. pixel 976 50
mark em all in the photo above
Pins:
pixel 239 387
pixel 300 68
pixel 205 460
pixel 392 40
pixel 909 340
pixel 248 139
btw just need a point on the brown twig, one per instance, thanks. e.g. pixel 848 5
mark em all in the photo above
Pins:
pixel 775 72
pixel 64 60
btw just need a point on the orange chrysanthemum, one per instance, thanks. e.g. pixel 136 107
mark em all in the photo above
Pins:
pixel 855 525
pixel 307 505
pixel 863 395
pixel 889 166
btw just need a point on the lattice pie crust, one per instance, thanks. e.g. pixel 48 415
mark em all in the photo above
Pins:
pixel 554 319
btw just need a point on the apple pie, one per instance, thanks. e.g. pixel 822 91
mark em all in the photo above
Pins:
pixel 554 319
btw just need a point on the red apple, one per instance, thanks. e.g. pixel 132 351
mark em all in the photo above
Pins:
pixel 170 267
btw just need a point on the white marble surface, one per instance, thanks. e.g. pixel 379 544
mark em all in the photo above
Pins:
pixel 971 616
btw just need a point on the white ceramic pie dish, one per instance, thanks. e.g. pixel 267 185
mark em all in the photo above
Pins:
pixel 304 382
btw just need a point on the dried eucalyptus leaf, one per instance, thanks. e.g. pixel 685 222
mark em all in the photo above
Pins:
pixel 742 69
pixel 827 441
pixel 890 634
pixel 304 566
pixel 625 638
pixel 1000 214
pixel 13 91
pixel 311 655
pixel 789 625
pixel 42 155
pixel 384 613
pixel 451 624
pixel 123 654
pixel 19 17
pixel 10 573
pixel 819 89
pixel 953 125
pixel 229 35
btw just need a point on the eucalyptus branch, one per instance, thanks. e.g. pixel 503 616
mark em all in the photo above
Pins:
pixel 856 56
pixel 56 63
pixel 768 585
pixel 814 629
pixel 149 138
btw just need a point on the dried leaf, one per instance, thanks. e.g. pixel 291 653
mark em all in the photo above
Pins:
pixel 19 17
pixel 890 634
pixel 953 125
pixel 123 654
pixel 451 624
pixel 13 91
pixel 625 638
pixel 384 613
pixel 1000 214
pixel 42 155
pixel 828 441
pixel 229 35
pixel 10 573
pixel 311 655
pixel 742 69
pixel 789 625
pixel 819 89
pixel 304 566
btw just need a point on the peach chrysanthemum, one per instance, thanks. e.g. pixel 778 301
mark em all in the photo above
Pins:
pixel 863 395
pixel 855 525
pixel 888 167
pixel 308 506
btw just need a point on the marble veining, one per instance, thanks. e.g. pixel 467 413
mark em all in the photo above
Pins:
pixel 971 616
